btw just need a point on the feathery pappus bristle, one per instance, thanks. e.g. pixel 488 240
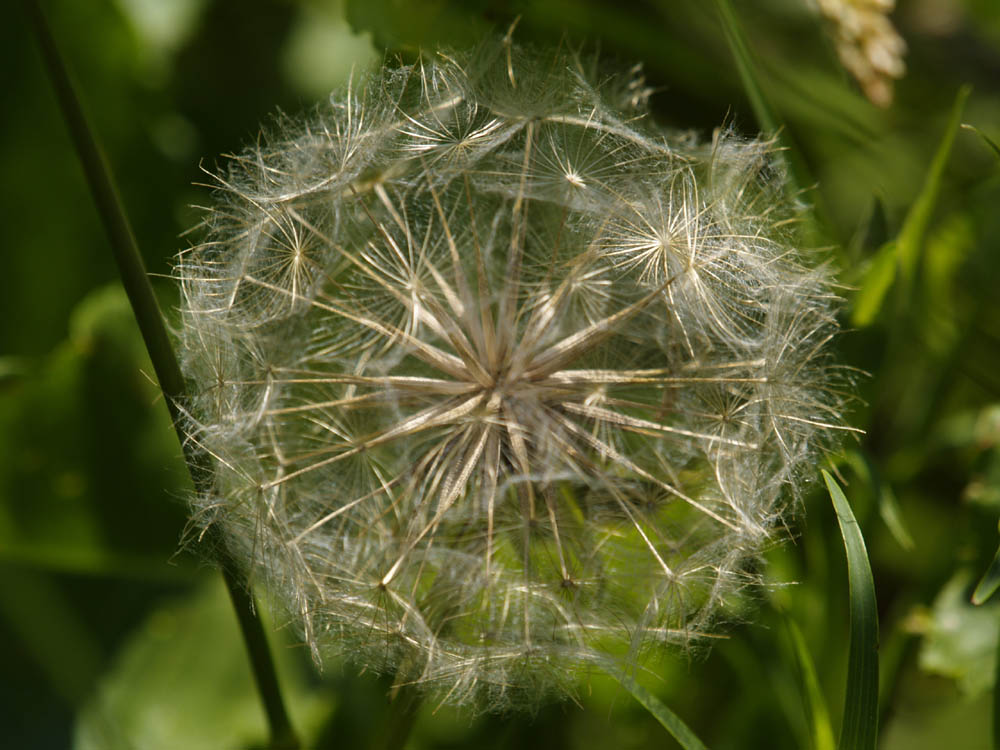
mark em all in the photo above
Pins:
pixel 500 379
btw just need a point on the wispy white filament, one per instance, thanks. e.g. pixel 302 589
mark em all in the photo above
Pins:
pixel 502 380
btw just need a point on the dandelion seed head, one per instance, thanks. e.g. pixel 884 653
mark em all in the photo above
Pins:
pixel 500 380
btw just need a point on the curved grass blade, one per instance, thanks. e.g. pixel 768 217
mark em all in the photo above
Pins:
pixel 147 312
pixel 888 505
pixel 902 254
pixel 860 727
pixel 670 721
pixel 819 717
pixel 989 583
pixel 986 139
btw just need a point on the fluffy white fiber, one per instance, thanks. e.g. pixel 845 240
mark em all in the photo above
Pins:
pixel 500 379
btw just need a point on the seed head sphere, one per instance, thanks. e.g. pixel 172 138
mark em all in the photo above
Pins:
pixel 501 380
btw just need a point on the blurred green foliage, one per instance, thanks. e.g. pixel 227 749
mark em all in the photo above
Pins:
pixel 91 481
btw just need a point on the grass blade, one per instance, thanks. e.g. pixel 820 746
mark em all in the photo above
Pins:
pixel 989 583
pixel 888 505
pixel 147 312
pixel 996 702
pixel 819 717
pixel 902 254
pixel 986 139
pixel 745 67
pixel 860 727
pixel 767 119
pixel 670 721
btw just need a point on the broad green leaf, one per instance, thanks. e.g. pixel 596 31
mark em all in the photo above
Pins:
pixel 405 24
pixel 323 52
pixel 918 218
pixel 670 721
pixel 182 681
pixel 90 558
pixel 961 638
pixel 903 252
pixel 860 726
pixel 50 630
pixel 89 469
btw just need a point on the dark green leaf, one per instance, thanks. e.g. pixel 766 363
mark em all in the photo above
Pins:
pixel 860 727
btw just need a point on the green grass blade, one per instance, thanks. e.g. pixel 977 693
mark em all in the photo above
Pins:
pixel 996 702
pixel 878 278
pixel 764 111
pixel 746 68
pixel 819 717
pixel 902 254
pixel 860 727
pixel 670 721
pixel 986 139
pixel 888 505
pixel 989 583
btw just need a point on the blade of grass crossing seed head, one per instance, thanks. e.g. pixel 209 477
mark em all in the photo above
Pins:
pixel 903 252
pixel 860 726
pixel 751 81
pixel 745 67
pixel 670 721
pixel 918 219
pixel 765 113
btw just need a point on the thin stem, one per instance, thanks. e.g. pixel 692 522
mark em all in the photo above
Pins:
pixel 753 87
pixel 265 676
pixel 764 111
pixel 168 373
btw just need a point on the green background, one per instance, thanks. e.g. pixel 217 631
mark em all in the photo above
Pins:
pixel 116 637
